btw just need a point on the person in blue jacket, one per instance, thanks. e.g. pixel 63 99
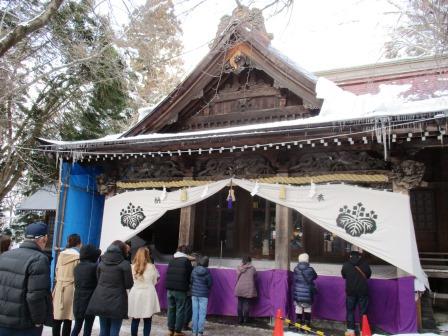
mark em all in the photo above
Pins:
pixel 304 289
pixel 201 282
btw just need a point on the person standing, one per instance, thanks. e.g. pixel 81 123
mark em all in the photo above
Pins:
pixel 143 300
pixel 25 294
pixel 356 271
pixel 177 284
pixel 65 286
pixel 109 300
pixel 85 284
pixel 245 288
pixel 304 289
pixel 201 282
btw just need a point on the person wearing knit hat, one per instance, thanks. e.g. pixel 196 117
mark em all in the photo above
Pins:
pixel 304 289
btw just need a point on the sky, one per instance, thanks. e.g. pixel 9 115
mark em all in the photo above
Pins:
pixel 316 34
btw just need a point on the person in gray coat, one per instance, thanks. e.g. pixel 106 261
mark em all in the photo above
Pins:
pixel 245 289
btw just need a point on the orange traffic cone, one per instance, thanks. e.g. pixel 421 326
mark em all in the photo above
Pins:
pixel 365 326
pixel 278 324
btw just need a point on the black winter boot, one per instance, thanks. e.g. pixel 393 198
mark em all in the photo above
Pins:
pixel 307 319
pixel 299 319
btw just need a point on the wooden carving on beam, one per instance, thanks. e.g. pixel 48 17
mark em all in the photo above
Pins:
pixel 242 16
pixel 254 165
pixel 106 185
pixel 151 168
pixel 407 175
pixel 236 62
pixel 335 161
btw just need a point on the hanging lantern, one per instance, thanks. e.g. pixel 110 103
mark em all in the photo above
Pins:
pixel 231 198
pixel 282 192
pixel 183 195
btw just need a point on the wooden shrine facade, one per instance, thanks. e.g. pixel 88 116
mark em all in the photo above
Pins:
pixel 244 112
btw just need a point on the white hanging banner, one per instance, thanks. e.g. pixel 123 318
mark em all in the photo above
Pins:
pixel 128 213
pixel 379 222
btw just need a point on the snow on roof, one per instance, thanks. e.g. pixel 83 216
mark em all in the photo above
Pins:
pixel 312 77
pixel 42 200
pixel 338 106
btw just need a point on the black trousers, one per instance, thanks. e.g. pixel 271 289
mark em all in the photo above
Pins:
pixel 88 325
pixel 351 302
pixel 243 309
pixel 66 327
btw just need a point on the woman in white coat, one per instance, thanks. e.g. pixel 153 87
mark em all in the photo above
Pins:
pixel 143 300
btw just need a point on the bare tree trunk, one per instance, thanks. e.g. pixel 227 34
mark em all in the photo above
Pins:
pixel 24 29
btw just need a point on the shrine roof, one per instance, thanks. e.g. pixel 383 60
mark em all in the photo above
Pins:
pixel 339 108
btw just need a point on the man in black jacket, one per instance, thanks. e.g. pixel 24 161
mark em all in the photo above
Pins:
pixel 25 295
pixel 178 283
pixel 356 271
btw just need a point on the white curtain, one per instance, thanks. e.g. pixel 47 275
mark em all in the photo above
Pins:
pixel 379 222
pixel 128 213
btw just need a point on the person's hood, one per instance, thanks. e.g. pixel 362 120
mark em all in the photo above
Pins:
pixel 200 270
pixel 113 256
pixel 180 255
pixel 89 253
pixel 355 259
pixel 302 265
pixel 244 267
pixel 68 256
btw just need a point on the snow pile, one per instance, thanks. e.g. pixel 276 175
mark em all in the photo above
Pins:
pixel 443 327
pixel 341 104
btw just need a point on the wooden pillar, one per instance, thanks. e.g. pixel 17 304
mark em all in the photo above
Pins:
pixel 283 224
pixel 186 225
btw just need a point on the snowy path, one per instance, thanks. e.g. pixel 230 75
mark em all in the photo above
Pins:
pixel 159 329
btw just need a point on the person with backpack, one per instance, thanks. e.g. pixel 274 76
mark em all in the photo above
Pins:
pixel 201 282
pixel 304 289
pixel 356 272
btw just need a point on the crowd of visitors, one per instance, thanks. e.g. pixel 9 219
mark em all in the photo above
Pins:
pixel 88 284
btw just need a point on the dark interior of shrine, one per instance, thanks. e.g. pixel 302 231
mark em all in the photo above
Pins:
pixel 246 227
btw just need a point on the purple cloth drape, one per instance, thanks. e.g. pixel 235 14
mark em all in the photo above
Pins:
pixel 392 306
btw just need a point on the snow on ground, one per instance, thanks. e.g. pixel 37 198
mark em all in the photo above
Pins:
pixel 215 329
pixel 159 329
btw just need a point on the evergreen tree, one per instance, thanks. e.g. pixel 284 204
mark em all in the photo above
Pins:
pixel 153 42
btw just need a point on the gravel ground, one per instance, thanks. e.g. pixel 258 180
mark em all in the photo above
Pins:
pixel 159 329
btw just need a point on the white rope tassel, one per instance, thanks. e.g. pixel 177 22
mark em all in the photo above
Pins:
pixel 312 191
pixel 163 194
pixel 255 189
pixel 204 191
pixel 384 136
